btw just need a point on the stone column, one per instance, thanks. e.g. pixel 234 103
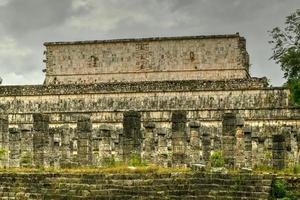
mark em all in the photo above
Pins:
pixel 14 147
pixel 26 147
pixel 194 142
pixel 162 148
pixel 149 142
pixel 4 140
pixel 132 137
pixel 240 144
pixel 206 146
pixel 84 132
pixel 278 151
pixel 105 145
pixel 248 146
pixel 179 138
pixel 65 147
pixel 41 140
pixel 228 138
pixel 55 143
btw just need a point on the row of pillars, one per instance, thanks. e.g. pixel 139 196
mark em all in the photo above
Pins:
pixel 237 144
pixel 236 141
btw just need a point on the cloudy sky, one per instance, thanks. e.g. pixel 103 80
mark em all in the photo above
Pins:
pixel 26 24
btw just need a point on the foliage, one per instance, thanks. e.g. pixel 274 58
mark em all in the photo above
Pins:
pixel 25 159
pixel 110 161
pixel 280 191
pixel 216 159
pixel 136 160
pixel 2 153
pixel 286 50
pixel 294 86
pixel 263 168
pixel 121 168
pixel 296 169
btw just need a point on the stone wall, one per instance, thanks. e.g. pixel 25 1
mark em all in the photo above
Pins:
pixel 134 186
pixel 172 123
pixel 150 59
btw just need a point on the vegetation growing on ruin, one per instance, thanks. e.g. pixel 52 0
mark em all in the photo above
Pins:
pixel 280 191
pixel 286 52
pixel 2 153
pixel 217 159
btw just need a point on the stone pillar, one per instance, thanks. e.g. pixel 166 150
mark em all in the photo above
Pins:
pixel 55 142
pixel 206 146
pixel 41 140
pixel 290 146
pixel 105 145
pixel 248 146
pixel 179 138
pixel 278 151
pixel 65 147
pixel 84 132
pixel 26 147
pixel 162 148
pixel 132 137
pixel 4 140
pixel 228 138
pixel 14 147
pixel 194 142
pixel 149 153
pixel 240 144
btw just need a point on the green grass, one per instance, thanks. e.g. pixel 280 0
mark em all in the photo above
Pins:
pixel 116 169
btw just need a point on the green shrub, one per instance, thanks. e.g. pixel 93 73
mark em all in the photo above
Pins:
pixel 280 191
pixel 109 161
pixel 294 86
pixel 2 153
pixel 25 159
pixel 216 159
pixel 296 169
pixel 136 160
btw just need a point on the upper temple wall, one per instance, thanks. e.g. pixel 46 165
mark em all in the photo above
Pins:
pixel 152 59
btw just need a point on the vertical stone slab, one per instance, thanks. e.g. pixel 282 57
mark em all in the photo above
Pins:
pixel 206 146
pixel 248 146
pixel 240 144
pixel 290 147
pixel 26 147
pixel 96 138
pixel 278 151
pixel 41 140
pixel 65 147
pixel 194 142
pixel 14 147
pixel 4 140
pixel 55 143
pixel 149 153
pixel 179 138
pixel 105 145
pixel 162 147
pixel 132 137
pixel 228 138
pixel 84 132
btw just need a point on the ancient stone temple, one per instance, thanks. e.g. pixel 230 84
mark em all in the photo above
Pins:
pixel 173 101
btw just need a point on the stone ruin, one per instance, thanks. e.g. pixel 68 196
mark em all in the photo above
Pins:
pixel 172 101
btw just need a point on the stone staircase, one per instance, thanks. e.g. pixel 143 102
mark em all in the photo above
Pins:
pixel 134 186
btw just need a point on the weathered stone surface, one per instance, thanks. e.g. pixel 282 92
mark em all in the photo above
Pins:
pixel 172 117
pixel 195 185
pixel 152 59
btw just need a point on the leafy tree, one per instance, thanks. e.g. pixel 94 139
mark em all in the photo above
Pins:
pixel 286 52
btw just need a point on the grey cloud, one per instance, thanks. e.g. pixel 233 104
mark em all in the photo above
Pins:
pixel 31 22
pixel 21 16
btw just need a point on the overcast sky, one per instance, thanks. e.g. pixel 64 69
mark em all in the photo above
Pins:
pixel 26 24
